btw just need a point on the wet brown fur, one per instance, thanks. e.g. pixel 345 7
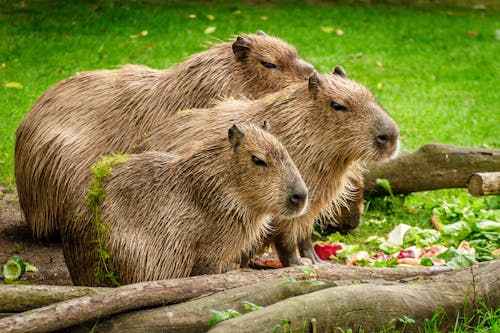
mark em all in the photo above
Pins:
pixel 325 144
pixel 170 216
pixel 105 111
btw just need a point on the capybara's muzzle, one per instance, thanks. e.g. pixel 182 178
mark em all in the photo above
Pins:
pixel 387 138
pixel 297 199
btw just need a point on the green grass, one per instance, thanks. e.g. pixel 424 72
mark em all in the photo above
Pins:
pixel 438 82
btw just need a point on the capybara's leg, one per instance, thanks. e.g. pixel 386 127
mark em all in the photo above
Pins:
pixel 287 252
pixel 306 250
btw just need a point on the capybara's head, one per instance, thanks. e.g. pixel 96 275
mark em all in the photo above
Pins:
pixel 351 119
pixel 262 173
pixel 270 63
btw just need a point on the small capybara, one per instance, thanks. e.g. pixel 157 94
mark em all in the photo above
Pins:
pixel 106 111
pixel 171 216
pixel 329 125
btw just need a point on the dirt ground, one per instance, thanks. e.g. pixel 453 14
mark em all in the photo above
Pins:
pixel 15 239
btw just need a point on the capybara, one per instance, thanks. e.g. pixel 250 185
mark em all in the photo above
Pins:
pixel 329 125
pixel 170 216
pixel 106 111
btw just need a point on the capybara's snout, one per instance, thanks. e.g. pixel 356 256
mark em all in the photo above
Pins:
pixel 297 198
pixel 387 137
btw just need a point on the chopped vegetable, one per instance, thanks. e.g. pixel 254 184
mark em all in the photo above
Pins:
pixel 14 267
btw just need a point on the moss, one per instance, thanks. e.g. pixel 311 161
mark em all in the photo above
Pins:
pixel 94 198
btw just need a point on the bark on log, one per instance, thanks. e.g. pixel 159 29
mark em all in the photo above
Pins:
pixel 376 307
pixel 17 298
pixel 78 310
pixel 487 183
pixel 194 316
pixel 434 166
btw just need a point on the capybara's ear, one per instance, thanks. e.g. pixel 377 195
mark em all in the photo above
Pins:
pixel 261 33
pixel 315 84
pixel 235 134
pixel 339 71
pixel 265 126
pixel 241 47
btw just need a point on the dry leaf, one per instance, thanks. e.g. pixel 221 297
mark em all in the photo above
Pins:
pixel 210 17
pixel 209 30
pixel 191 16
pixel 14 85
pixel 327 29
pixel 339 32
pixel 237 12
pixel 143 33
pixel 264 18
pixel 472 33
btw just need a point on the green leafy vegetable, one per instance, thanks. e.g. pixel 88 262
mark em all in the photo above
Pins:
pixel 455 259
pixel 421 237
pixel 426 262
pixel 454 233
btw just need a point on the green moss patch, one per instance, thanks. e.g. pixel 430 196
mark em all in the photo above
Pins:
pixel 94 198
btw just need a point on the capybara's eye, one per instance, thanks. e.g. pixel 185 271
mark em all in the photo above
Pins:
pixel 268 65
pixel 338 107
pixel 258 162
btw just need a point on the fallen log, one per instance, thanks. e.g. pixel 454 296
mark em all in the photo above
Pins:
pixel 433 166
pixel 487 183
pixel 194 316
pixel 17 298
pixel 377 307
pixel 126 298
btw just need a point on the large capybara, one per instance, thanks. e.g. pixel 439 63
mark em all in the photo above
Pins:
pixel 106 111
pixel 329 125
pixel 168 216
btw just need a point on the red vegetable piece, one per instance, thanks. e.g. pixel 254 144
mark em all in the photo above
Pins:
pixel 324 251
pixel 406 253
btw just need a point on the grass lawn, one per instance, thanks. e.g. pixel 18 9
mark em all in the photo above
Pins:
pixel 435 68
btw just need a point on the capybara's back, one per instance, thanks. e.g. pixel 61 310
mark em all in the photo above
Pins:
pixel 106 111
pixel 166 216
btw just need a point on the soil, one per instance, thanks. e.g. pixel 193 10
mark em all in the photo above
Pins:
pixel 15 239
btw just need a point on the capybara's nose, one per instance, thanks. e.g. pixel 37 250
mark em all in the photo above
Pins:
pixel 298 197
pixel 387 136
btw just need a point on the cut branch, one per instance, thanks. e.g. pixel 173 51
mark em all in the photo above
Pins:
pixel 376 307
pixel 433 166
pixel 78 310
pixel 487 183
pixel 17 298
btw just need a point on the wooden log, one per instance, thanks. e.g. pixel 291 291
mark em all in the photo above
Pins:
pixel 194 316
pixel 487 183
pixel 377 307
pixel 17 298
pixel 126 298
pixel 434 166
